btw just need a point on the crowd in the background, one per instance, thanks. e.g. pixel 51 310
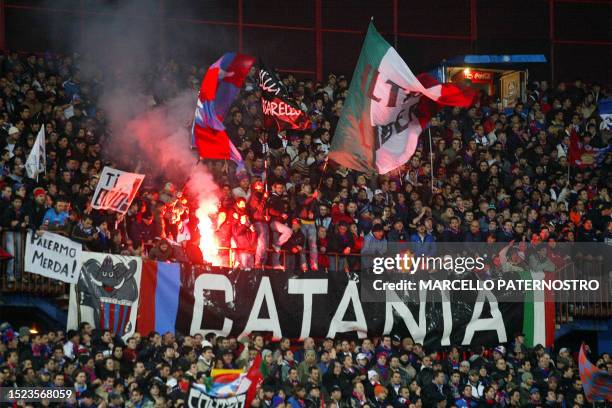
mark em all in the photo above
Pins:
pixel 500 173
pixel 156 370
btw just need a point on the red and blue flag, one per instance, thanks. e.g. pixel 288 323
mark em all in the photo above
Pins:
pixel 597 383
pixel 220 86
pixel 160 285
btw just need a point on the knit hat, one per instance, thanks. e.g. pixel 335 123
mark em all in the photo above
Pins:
pixel 38 191
pixel 500 349
pixel 372 374
pixel 379 389
pixel 526 377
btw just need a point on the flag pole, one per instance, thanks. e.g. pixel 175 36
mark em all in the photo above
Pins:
pixel 399 173
pixel 323 172
pixel 265 176
pixel 431 160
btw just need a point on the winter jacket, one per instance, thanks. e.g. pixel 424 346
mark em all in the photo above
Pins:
pixel 157 254
pixel 373 246
pixel 257 206
pixel 276 206
pixel 243 235
pixel 10 215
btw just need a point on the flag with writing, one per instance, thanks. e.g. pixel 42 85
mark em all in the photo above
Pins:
pixel 220 86
pixel 277 108
pixel 386 109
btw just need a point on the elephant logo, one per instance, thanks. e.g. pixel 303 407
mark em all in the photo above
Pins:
pixel 110 289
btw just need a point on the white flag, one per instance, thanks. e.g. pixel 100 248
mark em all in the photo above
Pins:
pixel 36 162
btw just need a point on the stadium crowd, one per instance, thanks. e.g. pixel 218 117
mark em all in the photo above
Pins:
pixel 157 370
pixel 501 174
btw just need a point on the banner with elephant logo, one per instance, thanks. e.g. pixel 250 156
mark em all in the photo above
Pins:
pixel 106 294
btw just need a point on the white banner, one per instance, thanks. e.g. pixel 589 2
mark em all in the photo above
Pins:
pixel 199 399
pixel 53 256
pixel 116 190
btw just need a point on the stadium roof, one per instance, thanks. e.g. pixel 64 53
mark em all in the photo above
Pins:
pixel 496 59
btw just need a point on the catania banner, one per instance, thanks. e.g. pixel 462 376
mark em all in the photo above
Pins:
pixel 127 294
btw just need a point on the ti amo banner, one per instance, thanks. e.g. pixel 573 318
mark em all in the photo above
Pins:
pixel 191 299
pixel 116 189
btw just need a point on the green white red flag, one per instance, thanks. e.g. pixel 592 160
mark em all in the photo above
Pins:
pixel 387 108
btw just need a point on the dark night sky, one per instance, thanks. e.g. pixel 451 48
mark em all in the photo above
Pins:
pixel 199 31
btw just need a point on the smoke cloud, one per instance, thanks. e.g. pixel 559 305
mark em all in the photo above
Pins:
pixel 149 105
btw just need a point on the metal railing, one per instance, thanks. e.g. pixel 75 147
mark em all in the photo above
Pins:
pixel 583 305
pixel 13 277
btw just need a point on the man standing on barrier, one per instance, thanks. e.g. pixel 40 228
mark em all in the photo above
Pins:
pixel 281 232
pixel 257 208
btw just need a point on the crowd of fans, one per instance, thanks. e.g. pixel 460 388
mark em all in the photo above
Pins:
pixel 500 174
pixel 157 370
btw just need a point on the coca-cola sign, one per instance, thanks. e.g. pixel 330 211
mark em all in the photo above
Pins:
pixel 480 76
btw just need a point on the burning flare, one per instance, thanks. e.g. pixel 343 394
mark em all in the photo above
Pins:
pixel 209 245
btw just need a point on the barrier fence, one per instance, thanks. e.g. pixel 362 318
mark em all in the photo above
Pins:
pixel 578 305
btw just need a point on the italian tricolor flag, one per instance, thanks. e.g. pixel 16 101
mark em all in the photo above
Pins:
pixel 387 108
pixel 538 313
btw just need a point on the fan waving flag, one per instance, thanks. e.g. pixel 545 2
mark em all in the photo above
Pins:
pixel 35 164
pixel 220 86
pixel 230 389
pixel 276 106
pixel 597 383
pixel 387 108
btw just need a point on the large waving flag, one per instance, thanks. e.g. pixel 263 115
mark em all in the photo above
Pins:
pixel 220 86
pixel 597 383
pixel 387 108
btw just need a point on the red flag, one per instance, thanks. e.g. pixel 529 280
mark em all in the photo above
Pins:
pixel 219 89
pixel 256 378
pixel 579 155
pixel 574 150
